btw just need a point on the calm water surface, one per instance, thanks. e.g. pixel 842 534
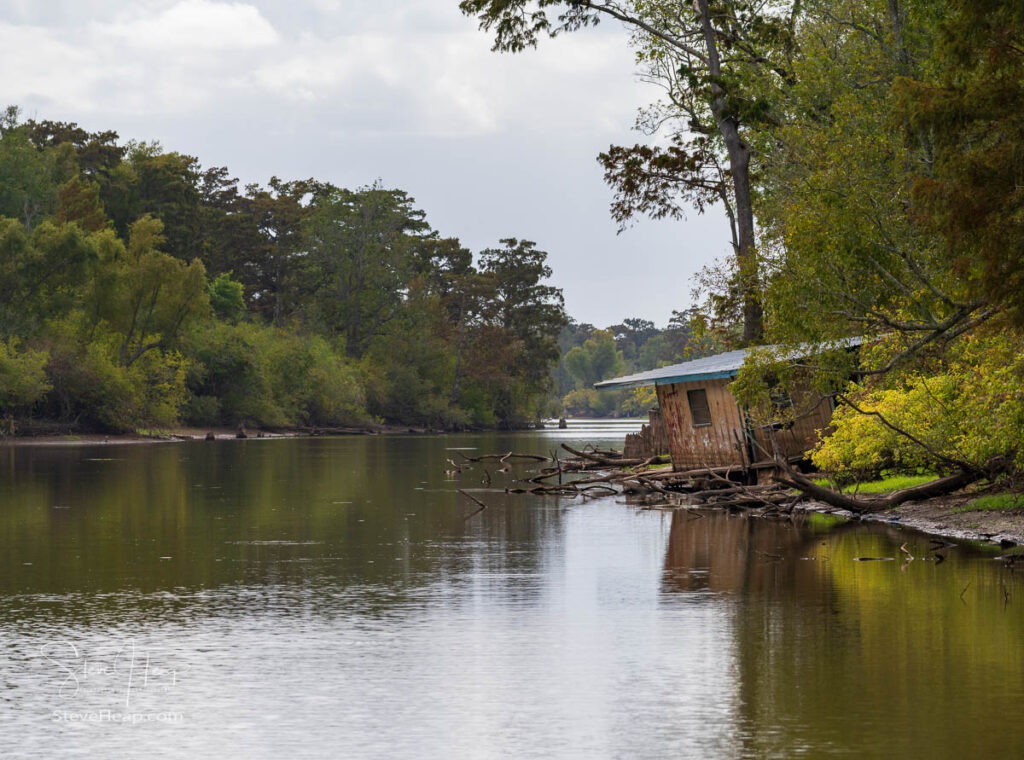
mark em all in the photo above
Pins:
pixel 329 598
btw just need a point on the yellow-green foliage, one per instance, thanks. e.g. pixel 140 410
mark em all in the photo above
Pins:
pixel 90 385
pixel 968 407
pixel 639 401
pixel 22 376
pixel 587 402
pixel 157 383
pixel 249 374
pixel 310 382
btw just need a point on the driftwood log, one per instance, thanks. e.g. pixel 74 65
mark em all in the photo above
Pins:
pixel 787 476
pixel 704 486
pixel 503 457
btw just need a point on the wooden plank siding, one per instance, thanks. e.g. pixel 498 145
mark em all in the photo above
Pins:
pixel 813 414
pixel 723 442
pixel 717 444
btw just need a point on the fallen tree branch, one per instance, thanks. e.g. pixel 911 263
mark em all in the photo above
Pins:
pixel 602 459
pixel 860 506
pixel 503 457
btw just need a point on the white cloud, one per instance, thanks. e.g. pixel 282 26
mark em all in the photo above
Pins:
pixel 350 90
pixel 193 24
pixel 413 69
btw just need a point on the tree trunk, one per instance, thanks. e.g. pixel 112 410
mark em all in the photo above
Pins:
pixel 739 167
pixel 746 254
pixel 860 506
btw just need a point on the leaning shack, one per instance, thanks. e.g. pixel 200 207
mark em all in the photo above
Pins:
pixel 705 425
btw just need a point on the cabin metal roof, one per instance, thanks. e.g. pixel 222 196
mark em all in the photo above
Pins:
pixel 717 367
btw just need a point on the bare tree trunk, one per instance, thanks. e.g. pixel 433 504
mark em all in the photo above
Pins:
pixel 739 166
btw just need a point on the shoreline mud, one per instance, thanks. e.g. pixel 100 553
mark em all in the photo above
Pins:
pixel 199 434
pixel 940 517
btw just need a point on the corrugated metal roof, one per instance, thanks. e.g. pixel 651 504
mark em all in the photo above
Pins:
pixel 715 367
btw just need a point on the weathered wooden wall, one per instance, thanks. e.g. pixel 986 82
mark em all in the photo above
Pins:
pixel 652 439
pixel 717 444
pixel 813 413
pixel 723 442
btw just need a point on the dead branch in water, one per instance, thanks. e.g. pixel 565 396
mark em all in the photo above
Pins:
pixel 612 459
pixel 472 498
pixel 503 457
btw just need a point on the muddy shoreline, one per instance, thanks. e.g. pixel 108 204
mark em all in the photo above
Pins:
pixel 938 517
pixel 217 433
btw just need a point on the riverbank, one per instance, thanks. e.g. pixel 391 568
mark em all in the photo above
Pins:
pixel 231 433
pixel 946 517
pixel 942 516
pixel 193 434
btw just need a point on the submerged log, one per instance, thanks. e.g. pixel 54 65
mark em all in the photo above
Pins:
pixel 504 457
pixel 614 459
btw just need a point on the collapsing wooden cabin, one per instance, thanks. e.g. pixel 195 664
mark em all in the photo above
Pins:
pixel 705 425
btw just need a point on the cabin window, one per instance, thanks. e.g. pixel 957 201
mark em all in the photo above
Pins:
pixel 700 412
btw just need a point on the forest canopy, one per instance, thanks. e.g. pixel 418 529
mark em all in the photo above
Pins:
pixel 142 290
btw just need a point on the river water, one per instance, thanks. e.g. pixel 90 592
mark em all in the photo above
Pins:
pixel 334 598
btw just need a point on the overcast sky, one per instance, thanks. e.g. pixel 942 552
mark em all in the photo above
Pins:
pixel 490 145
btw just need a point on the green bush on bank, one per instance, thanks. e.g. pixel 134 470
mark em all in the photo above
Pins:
pixel 22 376
pixel 967 407
pixel 254 375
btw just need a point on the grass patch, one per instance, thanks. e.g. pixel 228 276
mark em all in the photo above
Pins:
pixel 885 485
pixel 1001 502
pixel 819 522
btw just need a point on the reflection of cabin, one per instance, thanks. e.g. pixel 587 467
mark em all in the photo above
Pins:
pixel 706 426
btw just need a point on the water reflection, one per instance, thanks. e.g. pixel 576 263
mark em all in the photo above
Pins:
pixel 912 657
pixel 326 598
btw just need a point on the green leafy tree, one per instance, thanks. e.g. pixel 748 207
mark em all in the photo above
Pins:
pixel 22 377
pixel 163 185
pixel 597 359
pixel 29 177
pixel 227 297
pixel 153 297
pixel 360 260
pixel 719 62
pixel 269 263
pixel 531 313
pixel 96 153
pixel 970 103
pixel 42 273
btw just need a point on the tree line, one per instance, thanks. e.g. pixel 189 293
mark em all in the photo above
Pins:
pixel 867 155
pixel 590 355
pixel 140 290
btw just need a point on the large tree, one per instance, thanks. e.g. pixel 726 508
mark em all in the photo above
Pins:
pixel 360 260
pixel 969 190
pixel 716 60
pixel 524 314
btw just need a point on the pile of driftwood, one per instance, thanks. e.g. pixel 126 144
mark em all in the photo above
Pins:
pixel 593 472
